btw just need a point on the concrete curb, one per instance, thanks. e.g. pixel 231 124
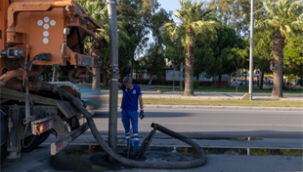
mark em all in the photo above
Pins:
pixel 220 107
pixel 239 93
pixel 211 98
pixel 218 93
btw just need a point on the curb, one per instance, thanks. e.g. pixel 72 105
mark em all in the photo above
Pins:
pixel 212 98
pixel 218 93
pixel 239 93
pixel 218 107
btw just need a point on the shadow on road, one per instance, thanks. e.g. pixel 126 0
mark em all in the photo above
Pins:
pixel 152 115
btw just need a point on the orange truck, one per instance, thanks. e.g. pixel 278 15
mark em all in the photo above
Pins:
pixel 33 34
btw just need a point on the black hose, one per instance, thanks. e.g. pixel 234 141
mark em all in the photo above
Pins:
pixel 10 63
pixel 139 164
pixel 180 137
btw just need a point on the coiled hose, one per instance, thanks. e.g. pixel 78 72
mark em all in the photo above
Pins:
pixel 138 164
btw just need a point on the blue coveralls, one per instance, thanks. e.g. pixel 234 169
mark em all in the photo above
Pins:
pixel 129 113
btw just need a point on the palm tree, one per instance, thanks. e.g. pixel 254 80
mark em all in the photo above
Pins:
pixel 286 17
pixel 195 23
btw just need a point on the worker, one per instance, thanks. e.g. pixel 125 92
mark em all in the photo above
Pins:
pixel 131 94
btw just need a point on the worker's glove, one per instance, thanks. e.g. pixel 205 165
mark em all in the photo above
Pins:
pixel 141 115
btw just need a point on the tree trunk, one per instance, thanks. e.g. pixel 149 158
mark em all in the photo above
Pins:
pixel 277 51
pixel 96 79
pixel 237 84
pixel 95 52
pixel 220 79
pixel 54 75
pixel 174 79
pixel 246 80
pixel 150 80
pixel 189 67
pixel 261 84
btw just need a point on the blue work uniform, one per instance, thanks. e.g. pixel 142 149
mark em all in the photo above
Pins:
pixel 129 113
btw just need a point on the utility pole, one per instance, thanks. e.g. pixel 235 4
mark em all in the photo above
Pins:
pixel 114 71
pixel 251 53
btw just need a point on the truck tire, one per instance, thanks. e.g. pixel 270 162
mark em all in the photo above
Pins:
pixel 43 137
pixel 3 153
pixel 36 142
pixel 30 143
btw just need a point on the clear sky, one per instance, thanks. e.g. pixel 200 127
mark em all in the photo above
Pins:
pixel 169 5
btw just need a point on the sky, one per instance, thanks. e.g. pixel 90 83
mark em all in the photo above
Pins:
pixel 169 5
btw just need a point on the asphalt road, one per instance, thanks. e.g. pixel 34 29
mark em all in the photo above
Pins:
pixel 216 122
pixel 274 126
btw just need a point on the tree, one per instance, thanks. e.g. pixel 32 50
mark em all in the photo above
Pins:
pixel 286 18
pixel 137 18
pixel 293 57
pixel 239 58
pixel 157 21
pixel 263 42
pixel 217 53
pixel 175 53
pixel 55 70
pixel 155 55
pixel 236 13
pixel 233 13
pixel 154 61
pixel 195 24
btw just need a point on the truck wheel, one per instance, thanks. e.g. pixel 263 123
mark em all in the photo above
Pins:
pixel 43 137
pixel 3 153
pixel 30 143
pixel 36 142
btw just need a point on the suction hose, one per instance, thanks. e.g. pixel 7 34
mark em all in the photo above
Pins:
pixel 138 164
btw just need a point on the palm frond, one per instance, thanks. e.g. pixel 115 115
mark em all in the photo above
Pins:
pixel 284 14
pixel 195 21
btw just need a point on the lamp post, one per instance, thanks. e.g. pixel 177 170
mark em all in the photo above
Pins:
pixel 251 53
pixel 114 71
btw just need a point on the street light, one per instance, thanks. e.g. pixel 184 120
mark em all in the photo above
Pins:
pixel 251 53
pixel 114 71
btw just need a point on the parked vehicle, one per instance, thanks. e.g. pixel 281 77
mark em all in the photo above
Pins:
pixel 33 34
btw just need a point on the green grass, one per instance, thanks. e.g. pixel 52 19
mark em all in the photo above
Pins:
pixel 256 103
